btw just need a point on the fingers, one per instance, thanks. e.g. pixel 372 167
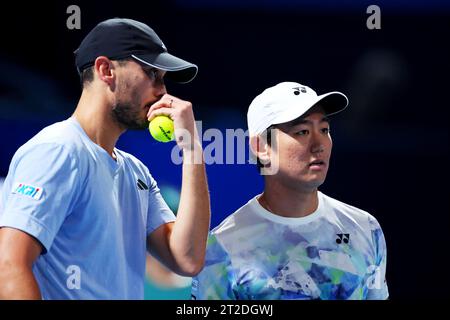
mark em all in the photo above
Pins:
pixel 168 102
pixel 160 111
pixel 162 103
pixel 180 111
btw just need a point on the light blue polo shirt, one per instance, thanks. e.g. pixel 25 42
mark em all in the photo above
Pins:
pixel 92 214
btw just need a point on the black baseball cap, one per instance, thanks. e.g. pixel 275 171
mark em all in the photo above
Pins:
pixel 123 38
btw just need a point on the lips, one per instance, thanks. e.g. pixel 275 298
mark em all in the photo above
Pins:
pixel 317 163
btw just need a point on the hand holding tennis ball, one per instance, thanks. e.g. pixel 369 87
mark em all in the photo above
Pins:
pixel 173 119
pixel 162 129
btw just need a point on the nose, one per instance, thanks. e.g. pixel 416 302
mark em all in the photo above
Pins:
pixel 317 143
pixel 318 148
pixel 160 90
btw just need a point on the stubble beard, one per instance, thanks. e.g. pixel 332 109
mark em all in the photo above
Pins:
pixel 127 113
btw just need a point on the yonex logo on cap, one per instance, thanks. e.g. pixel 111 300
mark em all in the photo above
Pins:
pixel 288 101
pixel 28 190
pixel 298 90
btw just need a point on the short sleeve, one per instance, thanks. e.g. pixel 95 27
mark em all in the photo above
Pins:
pixel 39 191
pixel 159 212
pixel 215 281
pixel 376 283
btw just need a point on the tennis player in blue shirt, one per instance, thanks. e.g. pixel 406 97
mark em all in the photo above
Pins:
pixel 78 215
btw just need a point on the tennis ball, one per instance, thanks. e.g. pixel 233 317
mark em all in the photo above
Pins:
pixel 161 128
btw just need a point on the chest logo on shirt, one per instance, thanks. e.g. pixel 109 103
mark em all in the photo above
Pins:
pixel 27 190
pixel 343 237
pixel 141 185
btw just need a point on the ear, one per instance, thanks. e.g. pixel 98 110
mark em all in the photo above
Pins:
pixel 104 69
pixel 260 149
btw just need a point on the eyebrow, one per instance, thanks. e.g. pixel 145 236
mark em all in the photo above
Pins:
pixel 299 121
pixel 148 69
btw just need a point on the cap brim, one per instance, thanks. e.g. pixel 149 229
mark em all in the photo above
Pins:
pixel 177 70
pixel 332 102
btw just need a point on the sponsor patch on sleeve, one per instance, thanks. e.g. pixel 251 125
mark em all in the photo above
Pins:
pixel 27 190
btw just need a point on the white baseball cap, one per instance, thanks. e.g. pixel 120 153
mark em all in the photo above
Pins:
pixel 287 101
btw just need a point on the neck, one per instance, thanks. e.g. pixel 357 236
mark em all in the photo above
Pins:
pixel 288 202
pixel 93 112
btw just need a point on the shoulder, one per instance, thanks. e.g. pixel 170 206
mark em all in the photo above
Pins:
pixel 235 221
pixel 350 213
pixel 235 227
pixel 60 136
pixel 58 149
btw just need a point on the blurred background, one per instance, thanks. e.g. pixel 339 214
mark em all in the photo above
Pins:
pixel 391 146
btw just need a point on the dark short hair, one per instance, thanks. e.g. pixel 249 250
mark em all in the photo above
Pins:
pixel 87 76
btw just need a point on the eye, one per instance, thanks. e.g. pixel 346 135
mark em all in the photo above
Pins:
pixel 302 132
pixel 326 130
pixel 153 75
